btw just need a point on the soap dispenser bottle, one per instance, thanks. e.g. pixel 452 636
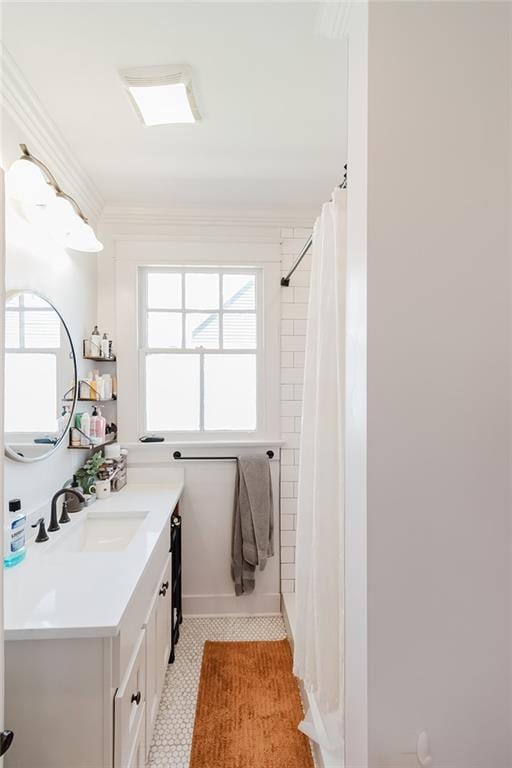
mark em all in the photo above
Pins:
pixel 15 535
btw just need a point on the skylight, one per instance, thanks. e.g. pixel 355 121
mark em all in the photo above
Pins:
pixel 162 95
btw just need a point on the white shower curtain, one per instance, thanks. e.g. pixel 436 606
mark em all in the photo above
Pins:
pixel 319 646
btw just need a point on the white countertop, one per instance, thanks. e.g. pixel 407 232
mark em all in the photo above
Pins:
pixel 57 594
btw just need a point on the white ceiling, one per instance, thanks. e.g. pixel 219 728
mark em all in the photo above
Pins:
pixel 271 90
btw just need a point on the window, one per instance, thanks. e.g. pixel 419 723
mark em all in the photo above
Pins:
pixel 32 346
pixel 200 343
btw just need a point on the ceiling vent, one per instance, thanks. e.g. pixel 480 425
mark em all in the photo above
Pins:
pixel 162 95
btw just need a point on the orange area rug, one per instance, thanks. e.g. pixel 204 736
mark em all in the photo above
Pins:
pixel 248 709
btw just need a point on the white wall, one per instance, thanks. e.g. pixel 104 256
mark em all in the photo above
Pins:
pixel 152 236
pixel 439 291
pixel 355 607
pixel 207 511
pixel 68 280
pixel 294 310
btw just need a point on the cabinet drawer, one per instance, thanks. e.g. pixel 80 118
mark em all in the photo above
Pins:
pixel 129 706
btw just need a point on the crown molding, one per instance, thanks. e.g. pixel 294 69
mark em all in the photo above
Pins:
pixel 120 216
pixel 43 138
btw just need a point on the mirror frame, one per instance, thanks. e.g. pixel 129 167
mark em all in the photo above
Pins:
pixel 7 450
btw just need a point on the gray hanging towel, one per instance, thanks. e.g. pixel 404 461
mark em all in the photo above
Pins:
pixel 253 521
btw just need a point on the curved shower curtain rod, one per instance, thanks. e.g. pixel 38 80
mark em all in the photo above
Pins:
pixel 285 281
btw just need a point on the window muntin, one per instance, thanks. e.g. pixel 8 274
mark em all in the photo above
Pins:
pixel 200 346
pixel 33 343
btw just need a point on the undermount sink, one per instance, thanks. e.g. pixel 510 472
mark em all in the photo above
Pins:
pixel 101 532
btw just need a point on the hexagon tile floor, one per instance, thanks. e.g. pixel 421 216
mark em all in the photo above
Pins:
pixel 172 737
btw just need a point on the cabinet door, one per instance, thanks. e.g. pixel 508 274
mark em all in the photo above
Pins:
pixel 137 757
pixel 152 679
pixel 129 706
pixel 163 625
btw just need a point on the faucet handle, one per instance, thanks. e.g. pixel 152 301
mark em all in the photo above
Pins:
pixel 41 534
pixel 64 518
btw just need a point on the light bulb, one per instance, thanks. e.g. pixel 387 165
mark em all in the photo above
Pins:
pixel 60 219
pixel 82 238
pixel 26 183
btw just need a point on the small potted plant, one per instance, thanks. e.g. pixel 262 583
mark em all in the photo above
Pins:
pixel 88 474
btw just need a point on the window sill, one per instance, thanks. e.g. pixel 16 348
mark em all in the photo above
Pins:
pixel 207 444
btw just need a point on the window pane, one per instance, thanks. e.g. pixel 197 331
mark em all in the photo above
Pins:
pixel 230 392
pixel 239 331
pixel 42 329
pixel 202 330
pixel 14 301
pixel 164 329
pixel 201 291
pixel 31 300
pixel 172 392
pixel 238 291
pixel 31 391
pixel 164 290
pixel 12 330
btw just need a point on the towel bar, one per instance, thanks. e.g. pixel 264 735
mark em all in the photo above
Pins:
pixel 177 455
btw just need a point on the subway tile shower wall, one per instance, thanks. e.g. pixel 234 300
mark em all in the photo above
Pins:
pixel 294 308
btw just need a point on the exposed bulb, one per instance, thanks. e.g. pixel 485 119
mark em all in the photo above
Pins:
pixel 82 238
pixel 26 183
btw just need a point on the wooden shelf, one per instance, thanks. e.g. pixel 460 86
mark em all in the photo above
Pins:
pixel 90 400
pixel 100 359
pixel 90 447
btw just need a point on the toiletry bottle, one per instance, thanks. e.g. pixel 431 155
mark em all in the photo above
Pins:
pixel 94 421
pixel 107 386
pixel 105 346
pixel 91 387
pixel 14 535
pixel 101 425
pixel 97 384
pixel 85 426
pixel 95 342
pixel 101 387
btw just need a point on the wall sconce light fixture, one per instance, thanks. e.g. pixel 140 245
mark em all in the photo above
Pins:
pixel 31 183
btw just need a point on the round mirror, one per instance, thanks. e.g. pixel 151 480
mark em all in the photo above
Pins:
pixel 40 377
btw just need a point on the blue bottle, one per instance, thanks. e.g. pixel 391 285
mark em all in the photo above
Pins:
pixel 15 550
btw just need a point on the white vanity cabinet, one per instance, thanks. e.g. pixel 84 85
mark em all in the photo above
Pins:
pixel 92 701
pixel 158 648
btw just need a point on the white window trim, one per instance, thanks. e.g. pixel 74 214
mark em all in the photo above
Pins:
pixel 144 350
pixel 142 253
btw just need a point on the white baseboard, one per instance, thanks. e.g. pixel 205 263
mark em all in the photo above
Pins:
pixel 231 605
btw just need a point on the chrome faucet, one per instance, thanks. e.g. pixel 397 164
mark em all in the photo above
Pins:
pixel 64 518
